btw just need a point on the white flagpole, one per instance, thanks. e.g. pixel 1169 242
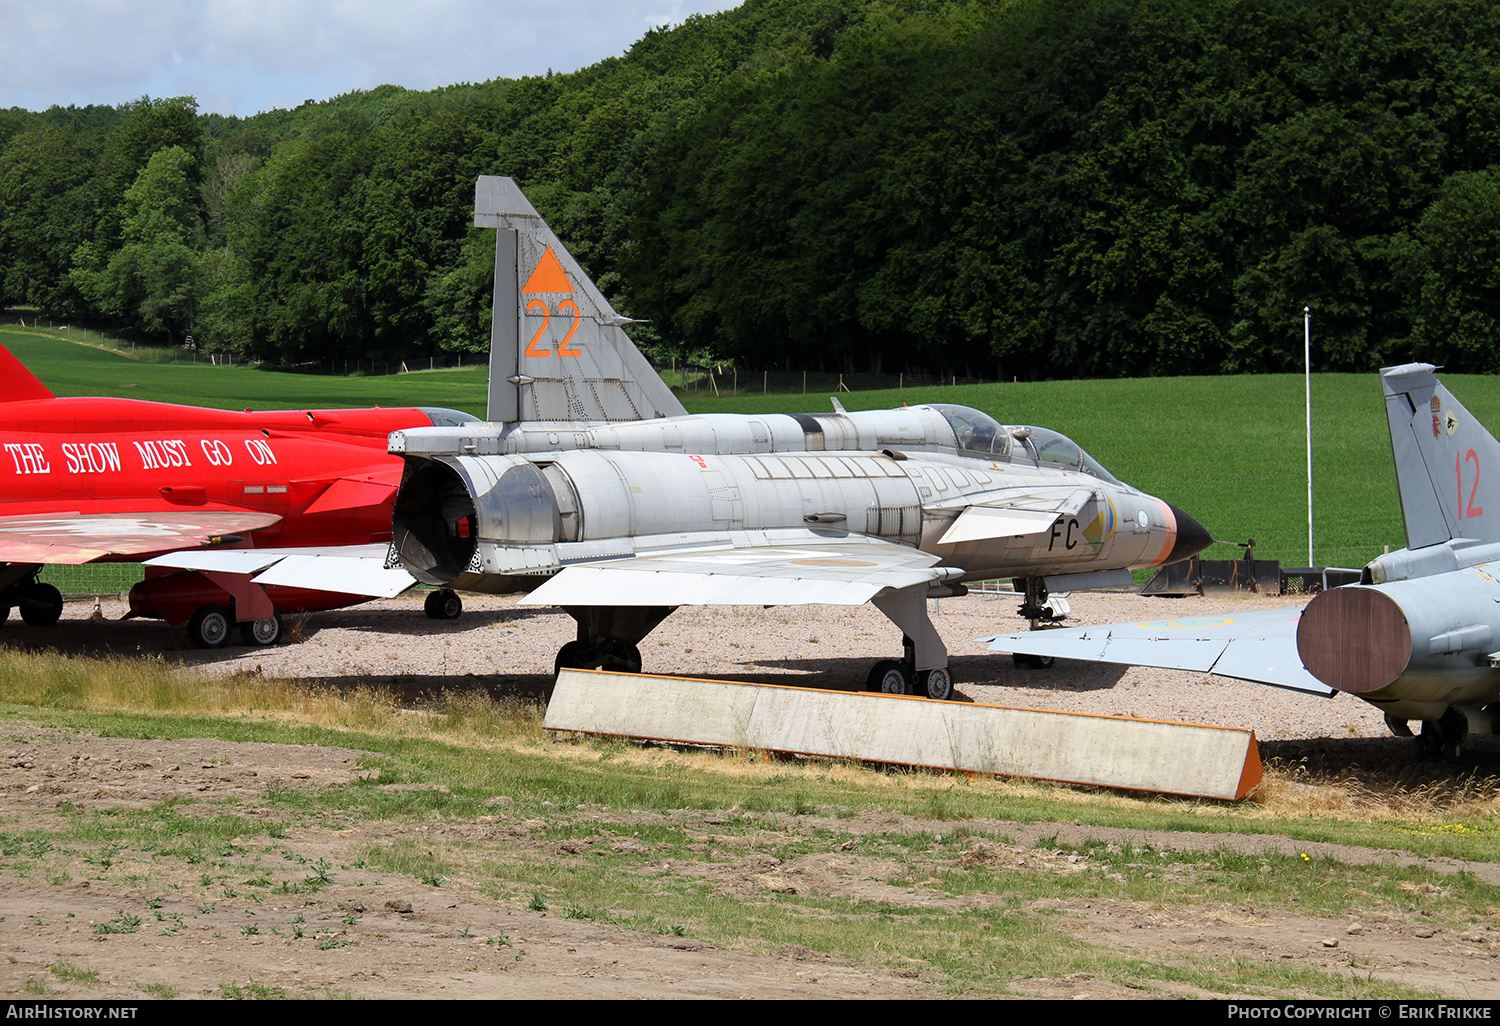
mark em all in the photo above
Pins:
pixel 1307 381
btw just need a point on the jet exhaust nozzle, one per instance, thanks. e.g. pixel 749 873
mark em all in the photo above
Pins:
pixel 1355 639
pixel 452 510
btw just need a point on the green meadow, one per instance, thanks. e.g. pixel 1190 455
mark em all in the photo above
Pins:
pixel 1228 450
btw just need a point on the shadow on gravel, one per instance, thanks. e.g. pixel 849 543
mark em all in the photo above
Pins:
pixel 1066 675
pixel 414 623
pixel 102 639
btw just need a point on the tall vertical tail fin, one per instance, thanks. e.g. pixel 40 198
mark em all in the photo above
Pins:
pixel 1447 464
pixel 558 350
pixel 20 384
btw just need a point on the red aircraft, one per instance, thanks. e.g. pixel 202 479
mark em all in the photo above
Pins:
pixel 242 516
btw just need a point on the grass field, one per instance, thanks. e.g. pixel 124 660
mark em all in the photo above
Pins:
pixel 1229 450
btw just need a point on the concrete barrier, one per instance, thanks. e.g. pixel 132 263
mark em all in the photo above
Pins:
pixel 1078 748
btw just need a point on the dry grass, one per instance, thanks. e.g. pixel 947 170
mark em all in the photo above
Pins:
pixel 151 686
pixel 1409 791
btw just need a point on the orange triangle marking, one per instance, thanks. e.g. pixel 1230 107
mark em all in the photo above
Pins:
pixel 548 276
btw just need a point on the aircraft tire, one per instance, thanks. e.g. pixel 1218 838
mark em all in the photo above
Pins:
pixel 262 633
pixel 1455 734
pixel 1429 743
pixel 4 613
pixel 936 684
pixel 41 605
pixel 622 657
pixel 209 627
pixel 443 605
pixel 573 656
pixel 889 677
pixel 1033 662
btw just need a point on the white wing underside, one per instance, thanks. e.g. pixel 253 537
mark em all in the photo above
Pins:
pixel 1258 646
pixel 345 569
pixel 848 571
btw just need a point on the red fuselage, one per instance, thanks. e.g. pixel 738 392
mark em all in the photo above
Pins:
pixel 326 473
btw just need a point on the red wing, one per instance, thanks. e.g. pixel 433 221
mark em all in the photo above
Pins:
pixel 20 384
pixel 347 493
pixel 84 538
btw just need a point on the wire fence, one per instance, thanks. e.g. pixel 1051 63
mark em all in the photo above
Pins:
pixel 720 379
pixel 716 380
pixel 143 352
pixel 93 578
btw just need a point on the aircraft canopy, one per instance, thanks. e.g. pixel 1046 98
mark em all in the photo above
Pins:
pixel 977 433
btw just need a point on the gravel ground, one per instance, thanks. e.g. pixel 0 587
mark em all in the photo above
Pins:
pixel 507 647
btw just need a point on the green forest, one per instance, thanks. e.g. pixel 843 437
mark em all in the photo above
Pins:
pixel 1030 189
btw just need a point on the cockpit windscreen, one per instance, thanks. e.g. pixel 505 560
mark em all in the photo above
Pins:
pixel 442 417
pixel 1058 450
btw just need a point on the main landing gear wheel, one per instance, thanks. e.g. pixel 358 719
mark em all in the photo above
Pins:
pixel 936 684
pixel 1455 727
pixel 1033 662
pixel 41 605
pixel 607 654
pixel 1428 743
pixel 262 632
pixel 443 605
pixel 622 657
pixel 888 677
pixel 209 626
pixel 573 656
pixel 1447 737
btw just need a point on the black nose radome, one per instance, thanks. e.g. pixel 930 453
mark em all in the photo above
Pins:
pixel 1192 537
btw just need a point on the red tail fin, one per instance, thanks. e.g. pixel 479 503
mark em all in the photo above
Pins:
pixel 17 384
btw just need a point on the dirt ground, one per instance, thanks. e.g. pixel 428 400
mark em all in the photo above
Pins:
pixel 375 934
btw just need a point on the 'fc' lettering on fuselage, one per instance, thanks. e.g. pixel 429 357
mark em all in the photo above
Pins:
pixel 1065 533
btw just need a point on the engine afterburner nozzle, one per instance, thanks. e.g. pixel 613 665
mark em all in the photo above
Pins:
pixel 1354 639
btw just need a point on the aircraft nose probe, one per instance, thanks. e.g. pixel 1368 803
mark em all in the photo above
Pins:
pixel 1192 537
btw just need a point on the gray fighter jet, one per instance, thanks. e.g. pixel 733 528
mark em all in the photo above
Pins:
pixel 594 490
pixel 1418 637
